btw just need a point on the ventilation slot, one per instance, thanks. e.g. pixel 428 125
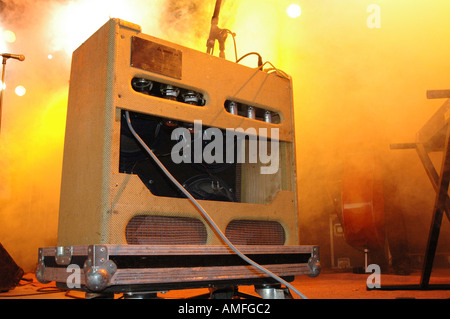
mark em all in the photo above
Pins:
pixel 255 232
pixel 163 230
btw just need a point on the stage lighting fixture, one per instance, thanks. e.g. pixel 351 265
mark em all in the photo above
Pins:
pixel 294 11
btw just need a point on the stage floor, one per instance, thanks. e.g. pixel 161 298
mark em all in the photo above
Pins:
pixel 328 285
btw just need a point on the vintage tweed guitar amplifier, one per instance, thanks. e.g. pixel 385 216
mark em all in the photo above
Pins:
pixel 117 203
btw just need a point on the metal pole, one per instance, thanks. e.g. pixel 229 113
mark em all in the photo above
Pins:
pixel 438 212
pixel 217 10
pixel 214 31
pixel 2 89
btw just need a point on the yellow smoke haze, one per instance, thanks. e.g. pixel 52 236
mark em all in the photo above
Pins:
pixel 358 86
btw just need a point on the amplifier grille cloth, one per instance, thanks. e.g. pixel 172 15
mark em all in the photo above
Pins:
pixel 164 230
pixel 255 232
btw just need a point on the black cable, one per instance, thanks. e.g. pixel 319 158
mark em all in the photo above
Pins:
pixel 40 291
pixel 260 60
pixel 233 35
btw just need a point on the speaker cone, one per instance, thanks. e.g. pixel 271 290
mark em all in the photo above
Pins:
pixel 209 188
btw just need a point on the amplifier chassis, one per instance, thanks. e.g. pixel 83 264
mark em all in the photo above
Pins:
pixel 116 233
pixel 99 199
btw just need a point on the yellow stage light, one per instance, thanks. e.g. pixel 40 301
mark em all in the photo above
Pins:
pixel 9 36
pixel 294 11
pixel 20 90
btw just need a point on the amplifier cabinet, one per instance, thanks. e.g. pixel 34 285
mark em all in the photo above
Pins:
pixel 112 193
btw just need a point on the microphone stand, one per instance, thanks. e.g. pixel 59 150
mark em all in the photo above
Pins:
pixel 6 56
pixel 216 33
pixel 3 88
